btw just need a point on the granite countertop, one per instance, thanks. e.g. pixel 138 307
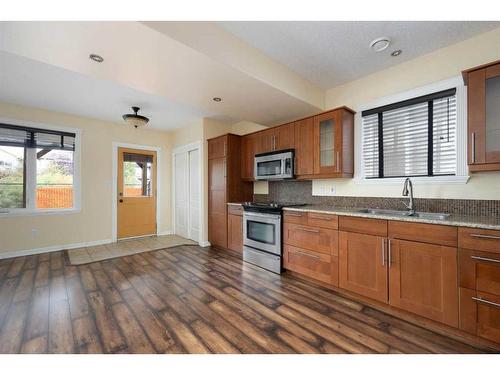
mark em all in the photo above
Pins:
pixel 482 222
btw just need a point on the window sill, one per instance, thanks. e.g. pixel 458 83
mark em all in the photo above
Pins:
pixel 41 212
pixel 438 180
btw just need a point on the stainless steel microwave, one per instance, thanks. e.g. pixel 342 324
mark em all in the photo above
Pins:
pixel 276 165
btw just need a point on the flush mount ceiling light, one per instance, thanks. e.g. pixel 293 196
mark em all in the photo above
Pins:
pixel 396 53
pixel 380 44
pixel 217 99
pixel 135 119
pixel 96 58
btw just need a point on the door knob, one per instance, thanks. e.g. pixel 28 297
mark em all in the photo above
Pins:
pixel 121 200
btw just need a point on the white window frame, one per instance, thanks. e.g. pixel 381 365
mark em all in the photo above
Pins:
pixel 461 176
pixel 30 210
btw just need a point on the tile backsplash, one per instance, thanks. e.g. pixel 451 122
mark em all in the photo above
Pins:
pixel 301 191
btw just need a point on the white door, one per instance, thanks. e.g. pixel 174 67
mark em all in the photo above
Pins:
pixel 181 194
pixel 194 194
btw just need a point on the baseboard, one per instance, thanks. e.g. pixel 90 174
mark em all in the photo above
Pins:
pixel 204 244
pixel 49 249
pixel 165 232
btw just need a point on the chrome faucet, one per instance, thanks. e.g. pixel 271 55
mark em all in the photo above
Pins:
pixel 408 191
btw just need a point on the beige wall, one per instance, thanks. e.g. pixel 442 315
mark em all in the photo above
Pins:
pixel 93 223
pixel 433 67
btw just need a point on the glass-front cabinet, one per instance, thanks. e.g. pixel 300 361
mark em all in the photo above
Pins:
pixel 483 107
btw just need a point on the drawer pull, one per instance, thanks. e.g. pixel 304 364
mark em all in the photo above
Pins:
pixel 486 302
pixel 309 255
pixel 485 259
pixel 321 217
pixel 389 251
pixel 308 230
pixel 383 252
pixel 488 236
pixel 294 215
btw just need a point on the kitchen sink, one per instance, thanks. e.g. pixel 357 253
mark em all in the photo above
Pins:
pixel 422 215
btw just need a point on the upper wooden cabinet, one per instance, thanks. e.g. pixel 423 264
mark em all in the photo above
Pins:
pixel 333 144
pixel 324 145
pixel 483 99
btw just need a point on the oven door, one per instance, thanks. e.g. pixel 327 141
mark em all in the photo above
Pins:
pixel 262 232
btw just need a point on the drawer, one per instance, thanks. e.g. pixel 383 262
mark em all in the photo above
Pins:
pixel 310 263
pixel 234 210
pixel 315 219
pixel 480 271
pixel 479 239
pixel 363 225
pixel 295 217
pixel 429 233
pixel 480 314
pixel 320 240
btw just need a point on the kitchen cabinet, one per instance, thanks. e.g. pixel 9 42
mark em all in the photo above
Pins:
pixel 423 279
pixel 363 265
pixel 277 138
pixel 483 123
pixel 235 232
pixel 248 151
pixel 480 314
pixel 333 147
pixel 304 147
pixel 224 185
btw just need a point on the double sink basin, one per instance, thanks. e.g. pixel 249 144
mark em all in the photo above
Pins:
pixel 421 215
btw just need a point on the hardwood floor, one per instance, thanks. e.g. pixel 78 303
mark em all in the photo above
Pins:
pixel 189 300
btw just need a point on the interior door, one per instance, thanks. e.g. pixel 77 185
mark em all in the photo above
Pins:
pixel 181 194
pixel 194 195
pixel 136 214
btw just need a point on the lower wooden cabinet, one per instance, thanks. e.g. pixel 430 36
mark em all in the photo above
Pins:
pixel 480 314
pixel 235 232
pixel 362 265
pixel 423 280
pixel 319 266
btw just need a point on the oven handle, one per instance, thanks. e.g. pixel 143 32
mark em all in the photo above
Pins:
pixel 267 217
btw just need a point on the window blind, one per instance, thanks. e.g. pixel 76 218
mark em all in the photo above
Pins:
pixel 411 138
pixel 13 135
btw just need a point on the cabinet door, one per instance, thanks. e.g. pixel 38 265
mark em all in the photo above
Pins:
pixel 362 265
pixel 304 147
pixel 247 156
pixel 480 314
pixel 266 141
pixel 492 116
pixel 476 115
pixel 327 143
pixel 284 137
pixel 423 280
pixel 217 204
pixel 217 148
pixel 235 232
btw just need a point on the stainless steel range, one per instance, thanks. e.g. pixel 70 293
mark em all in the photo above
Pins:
pixel 262 231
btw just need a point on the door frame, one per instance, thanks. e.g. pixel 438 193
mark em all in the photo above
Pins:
pixel 114 185
pixel 198 145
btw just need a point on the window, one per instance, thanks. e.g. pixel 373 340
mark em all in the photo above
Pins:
pixel 36 168
pixel 415 137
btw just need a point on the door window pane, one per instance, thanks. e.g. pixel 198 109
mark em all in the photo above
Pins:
pixel 137 175
pixel 493 114
pixel 327 142
pixel 12 177
pixel 54 178
pixel 261 232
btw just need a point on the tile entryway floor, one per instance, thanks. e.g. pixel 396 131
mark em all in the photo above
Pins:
pixel 121 248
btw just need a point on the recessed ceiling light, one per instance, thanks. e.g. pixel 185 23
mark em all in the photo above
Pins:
pixel 217 99
pixel 396 53
pixel 96 58
pixel 380 44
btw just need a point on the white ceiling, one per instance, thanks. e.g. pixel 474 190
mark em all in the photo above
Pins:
pixel 331 53
pixel 35 84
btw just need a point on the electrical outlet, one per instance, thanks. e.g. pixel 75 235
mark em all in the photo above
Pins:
pixel 34 232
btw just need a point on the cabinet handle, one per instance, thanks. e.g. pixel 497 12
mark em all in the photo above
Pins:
pixel 308 230
pixel 338 164
pixel 295 215
pixel 225 145
pixel 389 250
pixel 485 259
pixel 225 168
pixel 488 236
pixel 383 252
pixel 326 218
pixel 308 255
pixel 486 301
pixel 473 151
